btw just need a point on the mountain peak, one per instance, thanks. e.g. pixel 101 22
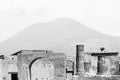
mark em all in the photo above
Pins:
pixel 65 20
pixel 59 35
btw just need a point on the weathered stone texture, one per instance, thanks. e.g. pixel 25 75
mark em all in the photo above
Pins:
pixel 57 59
pixel 80 59
pixel 8 64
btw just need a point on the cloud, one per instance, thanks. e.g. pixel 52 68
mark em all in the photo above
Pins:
pixel 18 10
pixel 14 11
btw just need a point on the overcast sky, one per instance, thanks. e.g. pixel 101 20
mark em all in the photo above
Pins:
pixel 101 15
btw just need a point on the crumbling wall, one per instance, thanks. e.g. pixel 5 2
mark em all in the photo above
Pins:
pixel 8 64
pixel 114 65
pixel 3 69
pixel 109 66
pixel 12 64
pixel 24 61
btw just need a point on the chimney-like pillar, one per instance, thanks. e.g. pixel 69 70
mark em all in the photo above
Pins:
pixel 80 59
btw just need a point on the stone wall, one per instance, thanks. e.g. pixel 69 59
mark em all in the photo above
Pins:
pixel 8 65
pixel 25 60
pixel 110 66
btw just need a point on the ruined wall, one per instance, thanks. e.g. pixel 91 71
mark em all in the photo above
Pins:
pixel 70 69
pixel 8 64
pixel 12 64
pixel 114 65
pixel 3 69
pixel 57 59
pixel 109 66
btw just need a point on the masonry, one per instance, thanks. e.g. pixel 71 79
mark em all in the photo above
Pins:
pixel 36 65
pixel 97 65
pixel 49 65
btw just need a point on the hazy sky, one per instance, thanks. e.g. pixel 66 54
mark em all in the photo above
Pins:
pixel 102 15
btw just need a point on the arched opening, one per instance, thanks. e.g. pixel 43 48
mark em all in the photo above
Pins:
pixel 41 69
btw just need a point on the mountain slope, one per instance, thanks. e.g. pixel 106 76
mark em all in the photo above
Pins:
pixel 60 35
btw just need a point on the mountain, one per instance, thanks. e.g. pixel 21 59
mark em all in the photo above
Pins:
pixel 59 35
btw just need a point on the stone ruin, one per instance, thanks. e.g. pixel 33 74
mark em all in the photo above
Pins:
pixel 47 65
pixel 97 65
pixel 33 65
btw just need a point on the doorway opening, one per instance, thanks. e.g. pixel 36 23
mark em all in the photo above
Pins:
pixel 14 76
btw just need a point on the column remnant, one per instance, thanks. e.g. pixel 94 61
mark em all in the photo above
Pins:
pixel 80 59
